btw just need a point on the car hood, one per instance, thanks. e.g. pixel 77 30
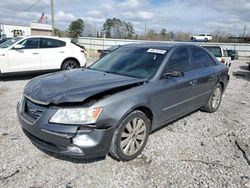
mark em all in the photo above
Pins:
pixel 74 86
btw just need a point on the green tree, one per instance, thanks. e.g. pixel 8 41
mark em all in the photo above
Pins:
pixel 130 30
pixel 116 28
pixel 58 32
pixel 163 34
pixel 107 27
pixel 76 28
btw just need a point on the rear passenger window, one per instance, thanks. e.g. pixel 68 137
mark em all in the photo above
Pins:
pixel 179 61
pixel 51 43
pixel 200 58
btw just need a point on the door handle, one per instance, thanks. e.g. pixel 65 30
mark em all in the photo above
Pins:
pixel 61 52
pixel 35 53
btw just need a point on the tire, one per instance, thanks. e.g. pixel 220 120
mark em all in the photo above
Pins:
pixel 214 100
pixel 206 40
pixel 70 64
pixel 130 137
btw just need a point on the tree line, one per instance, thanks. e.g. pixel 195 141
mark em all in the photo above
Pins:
pixel 119 29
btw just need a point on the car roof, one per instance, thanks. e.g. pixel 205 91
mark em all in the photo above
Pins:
pixel 41 36
pixel 160 45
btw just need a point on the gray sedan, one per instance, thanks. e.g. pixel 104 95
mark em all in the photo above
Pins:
pixel 113 105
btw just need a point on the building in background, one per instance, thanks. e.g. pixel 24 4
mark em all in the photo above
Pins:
pixel 7 30
pixel 41 29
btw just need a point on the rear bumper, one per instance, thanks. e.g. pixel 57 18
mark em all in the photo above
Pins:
pixel 84 144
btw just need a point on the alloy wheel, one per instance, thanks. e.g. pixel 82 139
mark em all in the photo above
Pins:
pixel 133 136
pixel 71 65
pixel 216 98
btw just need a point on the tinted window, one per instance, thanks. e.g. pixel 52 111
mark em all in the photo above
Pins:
pixel 225 53
pixel 215 50
pixel 31 43
pixel 200 58
pixel 51 43
pixel 179 61
pixel 138 62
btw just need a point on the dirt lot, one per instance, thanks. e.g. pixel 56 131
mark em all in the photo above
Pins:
pixel 199 150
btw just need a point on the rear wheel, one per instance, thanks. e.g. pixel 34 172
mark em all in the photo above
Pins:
pixel 214 100
pixel 70 64
pixel 130 137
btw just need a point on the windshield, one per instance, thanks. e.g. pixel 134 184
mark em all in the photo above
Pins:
pixel 10 42
pixel 216 51
pixel 132 61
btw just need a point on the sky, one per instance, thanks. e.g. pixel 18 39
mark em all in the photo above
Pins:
pixel 193 16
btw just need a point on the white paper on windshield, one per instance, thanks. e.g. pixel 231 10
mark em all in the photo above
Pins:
pixel 156 51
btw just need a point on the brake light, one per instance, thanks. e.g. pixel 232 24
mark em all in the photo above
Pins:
pixel 222 60
pixel 83 51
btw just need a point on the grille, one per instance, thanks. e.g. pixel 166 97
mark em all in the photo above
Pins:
pixel 33 110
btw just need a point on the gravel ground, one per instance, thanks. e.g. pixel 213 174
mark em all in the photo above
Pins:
pixel 199 150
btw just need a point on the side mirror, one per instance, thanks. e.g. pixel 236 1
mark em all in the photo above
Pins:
pixel 17 46
pixel 173 74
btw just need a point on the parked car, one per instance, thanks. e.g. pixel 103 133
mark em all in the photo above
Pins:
pixel 113 105
pixel 220 53
pixel 10 42
pixel 108 50
pixel 233 54
pixel 2 40
pixel 37 53
pixel 202 37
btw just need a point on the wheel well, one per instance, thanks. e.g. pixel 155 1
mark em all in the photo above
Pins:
pixel 222 85
pixel 147 112
pixel 70 58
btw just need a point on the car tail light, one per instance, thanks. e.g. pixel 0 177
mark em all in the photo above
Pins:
pixel 223 60
pixel 83 51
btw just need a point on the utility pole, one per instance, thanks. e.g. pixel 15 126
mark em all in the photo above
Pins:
pixel 52 16
pixel 145 30
pixel 217 36
pixel 244 32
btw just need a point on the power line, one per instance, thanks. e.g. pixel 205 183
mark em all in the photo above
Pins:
pixel 34 4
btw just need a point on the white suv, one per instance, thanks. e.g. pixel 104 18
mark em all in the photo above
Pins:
pixel 40 53
pixel 202 37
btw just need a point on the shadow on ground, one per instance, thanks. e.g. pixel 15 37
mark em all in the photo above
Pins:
pixel 245 75
pixel 20 77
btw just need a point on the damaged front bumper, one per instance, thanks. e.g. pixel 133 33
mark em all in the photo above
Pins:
pixel 68 140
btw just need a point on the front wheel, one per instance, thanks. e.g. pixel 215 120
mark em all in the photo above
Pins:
pixel 214 100
pixel 130 137
pixel 70 64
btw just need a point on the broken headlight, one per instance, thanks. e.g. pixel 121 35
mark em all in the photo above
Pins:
pixel 76 116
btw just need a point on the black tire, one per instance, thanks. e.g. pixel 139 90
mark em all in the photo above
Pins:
pixel 214 100
pixel 70 64
pixel 206 40
pixel 116 150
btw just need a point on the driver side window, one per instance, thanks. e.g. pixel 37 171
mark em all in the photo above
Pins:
pixel 31 43
pixel 179 61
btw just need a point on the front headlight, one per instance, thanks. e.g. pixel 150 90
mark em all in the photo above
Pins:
pixel 76 116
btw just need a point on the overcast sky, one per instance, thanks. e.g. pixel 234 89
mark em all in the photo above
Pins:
pixel 195 16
